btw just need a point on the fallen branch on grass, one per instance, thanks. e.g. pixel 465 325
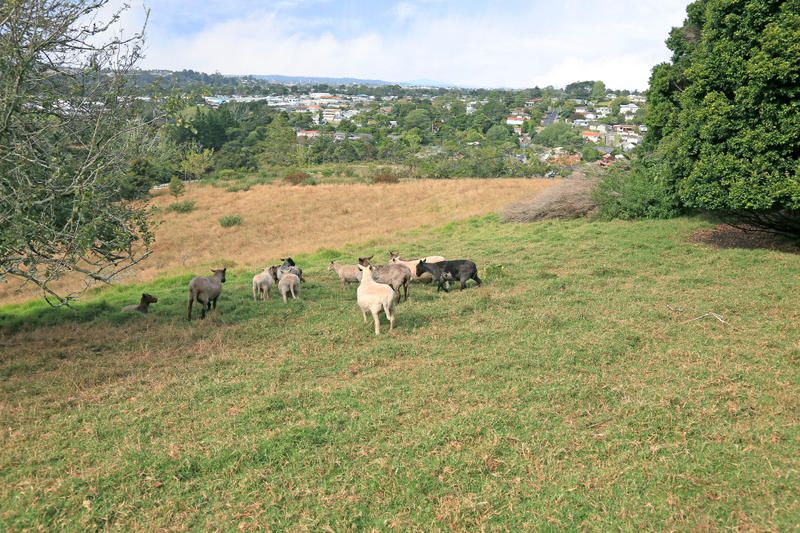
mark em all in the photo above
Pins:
pixel 715 315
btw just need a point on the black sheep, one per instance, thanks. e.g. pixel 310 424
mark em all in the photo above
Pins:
pixel 444 271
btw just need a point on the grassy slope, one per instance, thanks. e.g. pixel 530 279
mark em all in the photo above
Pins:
pixel 563 393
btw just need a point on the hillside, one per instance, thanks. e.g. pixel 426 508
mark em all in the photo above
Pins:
pixel 578 388
pixel 280 220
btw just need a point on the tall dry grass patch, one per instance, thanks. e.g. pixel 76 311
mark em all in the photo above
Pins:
pixel 284 220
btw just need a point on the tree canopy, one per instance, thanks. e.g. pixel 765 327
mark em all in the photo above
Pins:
pixel 67 140
pixel 725 111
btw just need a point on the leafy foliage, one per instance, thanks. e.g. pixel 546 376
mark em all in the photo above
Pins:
pixel 724 112
pixel 638 191
pixel 68 141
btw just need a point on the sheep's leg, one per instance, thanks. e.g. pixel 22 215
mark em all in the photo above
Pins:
pixel 405 289
pixel 214 301
pixel 463 284
pixel 390 315
pixel 267 293
pixel 191 301
pixel 203 308
pixel 284 296
pixel 476 278
pixel 377 319
pixel 256 290
pixel 364 314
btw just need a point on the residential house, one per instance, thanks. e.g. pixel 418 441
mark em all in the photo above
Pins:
pixel 592 136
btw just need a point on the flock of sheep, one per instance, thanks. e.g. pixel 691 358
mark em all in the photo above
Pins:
pixel 379 286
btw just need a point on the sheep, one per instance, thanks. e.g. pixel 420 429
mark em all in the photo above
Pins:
pixel 262 284
pixel 394 275
pixel 206 290
pixel 144 303
pixel 375 297
pixel 445 271
pixel 289 266
pixel 289 283
pixel 394 257
pixel 347 273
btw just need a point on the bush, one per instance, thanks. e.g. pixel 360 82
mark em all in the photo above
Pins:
pixel 230 221
pixel 310 181
pixel 636 192
pixel 590 153
pixel 385 176
pixel 186 206
pixel 568 198
pixel 296 177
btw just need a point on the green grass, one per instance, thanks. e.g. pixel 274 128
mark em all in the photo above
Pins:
pixel 229 221
pixel 185 206
pixel 572 391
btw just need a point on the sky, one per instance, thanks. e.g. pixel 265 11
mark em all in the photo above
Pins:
pixel 490 43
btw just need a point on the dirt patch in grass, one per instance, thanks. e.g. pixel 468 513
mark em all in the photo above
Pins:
pixel 567 198
pixel 725 236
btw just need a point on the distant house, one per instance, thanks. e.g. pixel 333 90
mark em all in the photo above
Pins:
pixel 602 128
pixel 516 120
pixel 628 109
pixel 582 110
pixel 308 134
pixel 581 122
pixel 590 116
pixel 592 136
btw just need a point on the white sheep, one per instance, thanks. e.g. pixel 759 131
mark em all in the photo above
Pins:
pixel 375 297
pixel 412 265
pixel 347 273
pixel 289 284
pixel 262 284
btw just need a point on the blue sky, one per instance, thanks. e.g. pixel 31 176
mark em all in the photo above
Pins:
pixel 509 43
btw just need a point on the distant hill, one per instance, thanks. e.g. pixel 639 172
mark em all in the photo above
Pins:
pixel 307 80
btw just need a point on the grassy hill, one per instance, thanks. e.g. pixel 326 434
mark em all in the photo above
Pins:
pixel 576 389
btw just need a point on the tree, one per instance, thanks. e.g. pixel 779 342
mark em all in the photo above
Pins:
pixel 176 187
pixel 559 134
pixel 723 112
pixel 198 163
pixel 418 118
pixel 598 91
pixel 66 136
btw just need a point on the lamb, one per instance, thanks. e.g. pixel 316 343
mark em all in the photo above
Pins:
pixel 289 266
pixel 347 273
pixel 396 276
pixel 262 284
pixel 144 303
pixel 445 271
pixel 375 297
pixel 412 265
pixel 206 291
pixel 289 284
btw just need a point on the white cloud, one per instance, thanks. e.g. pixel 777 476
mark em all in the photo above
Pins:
pixel 618 42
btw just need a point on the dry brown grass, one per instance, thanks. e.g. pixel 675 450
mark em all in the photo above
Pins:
pixel 323 216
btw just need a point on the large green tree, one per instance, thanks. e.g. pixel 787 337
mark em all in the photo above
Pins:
pixel 66 140
pixel 724 113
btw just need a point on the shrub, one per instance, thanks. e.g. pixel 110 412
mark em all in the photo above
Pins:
pixel 590 153
pixel 230 221
pixel 385 176
pixel 228 174
pixel 310 181
pixel 176 187
pixel 568 198
pixel 636 192
pixel 239 186
pixel 186 206
pixel 296 177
